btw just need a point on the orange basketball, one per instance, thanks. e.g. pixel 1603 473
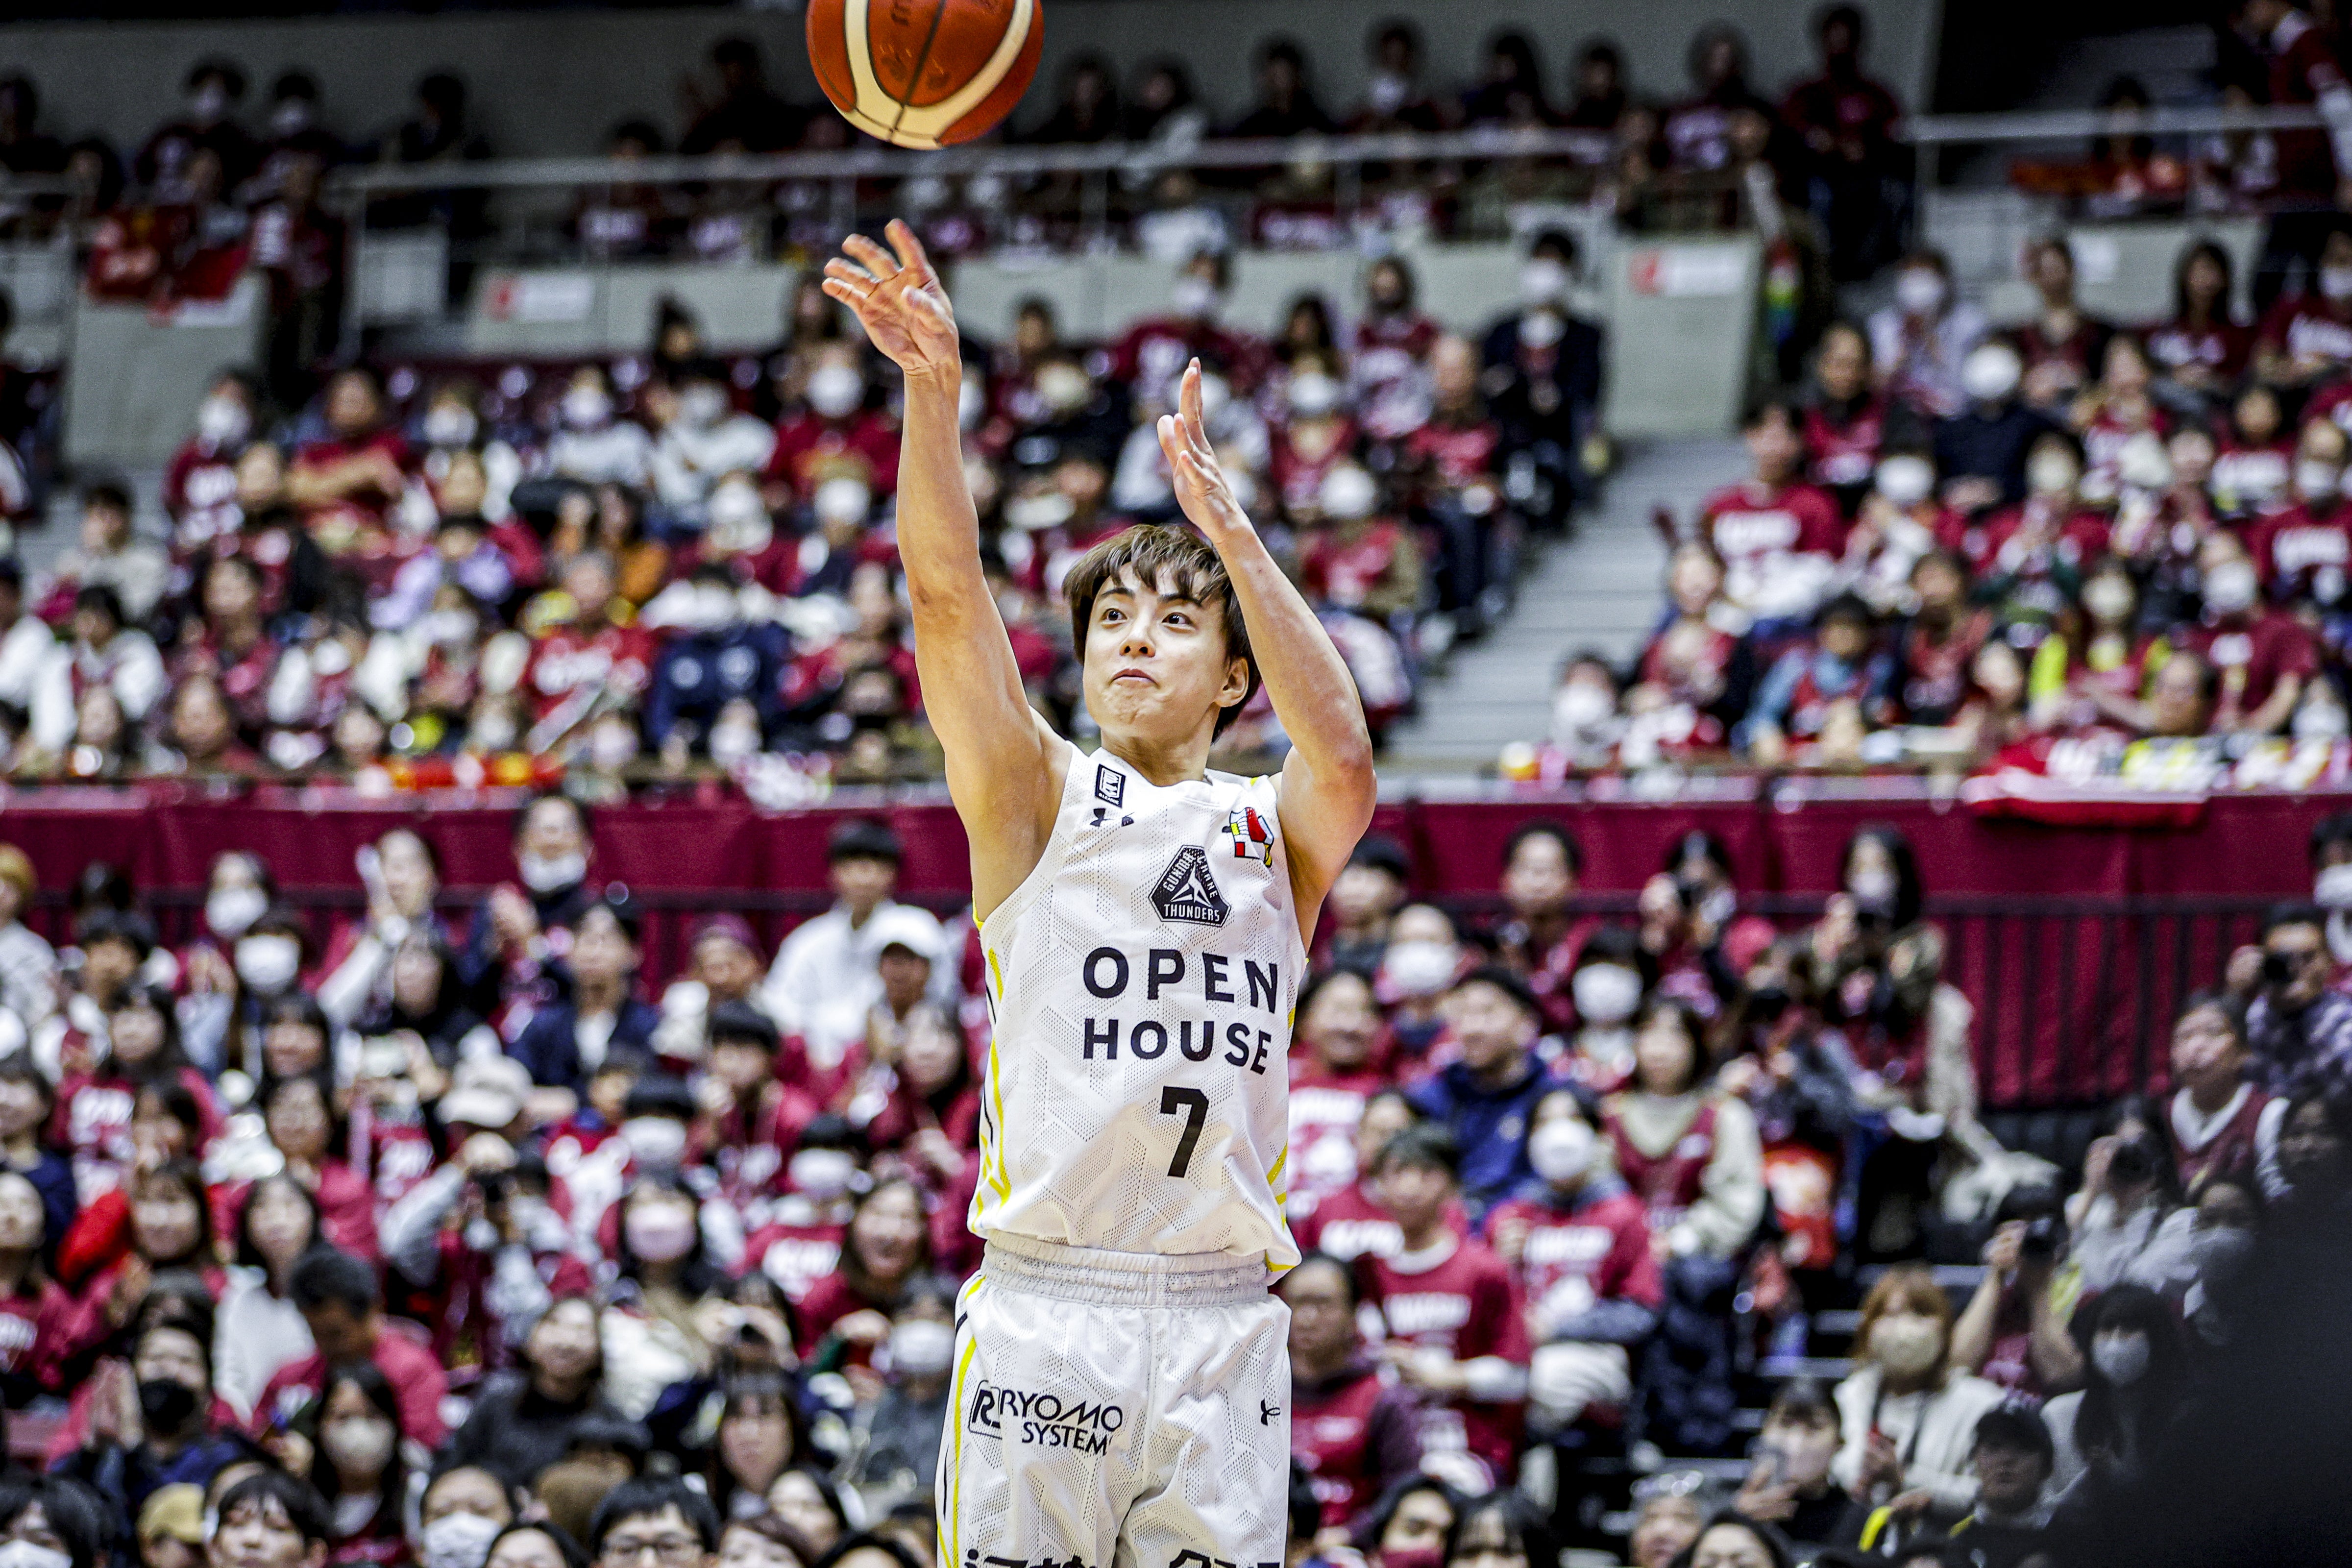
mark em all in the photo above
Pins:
pixel 924 73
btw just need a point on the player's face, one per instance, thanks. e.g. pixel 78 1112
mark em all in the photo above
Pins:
pixel 1156 666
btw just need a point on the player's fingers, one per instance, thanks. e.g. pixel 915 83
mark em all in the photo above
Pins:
pixel 842 291
pixel 912 254
pixel 1188 397
pixel 876 261
pixel 849 274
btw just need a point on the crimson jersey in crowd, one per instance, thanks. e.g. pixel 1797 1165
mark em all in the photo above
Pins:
pixel 1344 570
pixel 1750 523
pixel 1325 1109
pixel 2303 550
pixel 1151 357
pixel 1295 467
pixel 2252 654
pixel 2027 541
pixel 2249 479
pixel 36 1330
pixel 2222 347
pixel 1353 1433
pixel 2307 327
pixel 811 449
pixel 200 492
pixel 1579 1251
pixel 797 1250
pixel 1386 369
pixel 570 661
pixel 2230 1148
pixel 1845 451
pixel 407 1363
pixel 1467 1307
pixel 1348 1223
pixel 1453 455
pixel 1669 1182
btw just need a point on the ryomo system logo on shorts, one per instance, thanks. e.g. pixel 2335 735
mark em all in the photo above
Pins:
pixel 1044 1420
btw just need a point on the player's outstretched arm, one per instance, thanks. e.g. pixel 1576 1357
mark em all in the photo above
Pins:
pixel 1003 764
pixel 1327 785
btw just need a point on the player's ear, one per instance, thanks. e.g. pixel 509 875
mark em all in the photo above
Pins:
pixel 1235 691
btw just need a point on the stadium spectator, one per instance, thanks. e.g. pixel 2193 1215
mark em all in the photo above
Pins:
pixel 1356 1432
pixel 1920 344
pixel 1906 1417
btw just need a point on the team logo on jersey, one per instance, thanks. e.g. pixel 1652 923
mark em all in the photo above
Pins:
pixel 1109 785
pixel 1187 890
pixel 1251 834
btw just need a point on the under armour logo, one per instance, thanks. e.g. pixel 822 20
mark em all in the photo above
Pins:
pixel 1266 1413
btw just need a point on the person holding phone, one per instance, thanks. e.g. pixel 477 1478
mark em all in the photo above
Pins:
pixel 1791 1485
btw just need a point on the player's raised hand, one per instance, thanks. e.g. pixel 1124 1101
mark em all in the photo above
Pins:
pixel 1202 488
pixel 897 299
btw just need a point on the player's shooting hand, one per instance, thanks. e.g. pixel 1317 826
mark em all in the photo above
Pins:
pixel 1202 488
pixel 897 299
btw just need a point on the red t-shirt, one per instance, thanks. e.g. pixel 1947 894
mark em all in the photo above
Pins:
pixel 1151 357
pixel 2306 327
pixel 1345 572
pixel 1467 1307
pixel 1349 1225
pixel 2221 348
pixel 1325 1109
pixel 1338 1434
pixel 403 1354
pixel 1578 1255
pixel 1750 523
pixel 811 448
pixel 2249 479
pixel 796 1255
pixel 2303 551
pixel 2253 654
pixel 35 1332
pixel 1843 452
pixel 568 662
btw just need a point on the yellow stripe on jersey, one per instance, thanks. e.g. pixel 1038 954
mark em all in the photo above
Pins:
pixel 995 974
pixel 955 1421
pixel 1002 1179
pixel 1274 1174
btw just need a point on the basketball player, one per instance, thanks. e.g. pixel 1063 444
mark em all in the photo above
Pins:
pixel 1121 1382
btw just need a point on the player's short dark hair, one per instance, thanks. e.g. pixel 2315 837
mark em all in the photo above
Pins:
pixel 325 1276
pixel 1152 551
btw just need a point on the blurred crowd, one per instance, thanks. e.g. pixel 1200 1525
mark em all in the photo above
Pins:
pixel 451 1210
pixel 677 567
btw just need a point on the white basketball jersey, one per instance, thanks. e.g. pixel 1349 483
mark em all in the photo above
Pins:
pixel 1142 980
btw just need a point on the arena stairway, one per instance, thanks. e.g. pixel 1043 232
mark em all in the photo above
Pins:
pixel 1602 589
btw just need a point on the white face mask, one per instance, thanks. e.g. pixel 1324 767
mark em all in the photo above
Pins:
pixel 1049 509
pixel 208 103
pixel 655 1141
pixel 551 873
pixel 1313 394
pixel 584 408
pixel 2107 597
pixel 2051 473
pixel 612 746
pixel 447 425
pixel 1065 388
pixel 1990 373
pixel 1905 1346
pixel 821 1174
pixel 731 743
pixel 659 1235
pixel 459 1540
pixel 2231 587
pixel 1540 329
pixel 1904 480
pixel 32 1554
pixel 361 1445
pixel 222 421
pixel 2144 464
pixel 1872 887
pixel 835 390
pixel 1561 1151
pixel 2335 282
pixel 1919 291
pixel 2318 480
pixel 843 502
pixel 699 407
pixel 2332 889
pixel 1348 493
pixel 2122 1359
pixel 2319 718
pixel 1577 709
pixel 269 964
pixel 1542 280
pixel 1418 969
pixel 1605 993
pixel 922 1348
pixel 1195 298
pixel 230 910
pixel 1386 94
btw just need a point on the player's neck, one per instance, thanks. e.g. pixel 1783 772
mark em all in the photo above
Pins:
pixel 1182 762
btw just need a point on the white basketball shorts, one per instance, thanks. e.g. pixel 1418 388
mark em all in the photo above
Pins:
pixel 1116 1410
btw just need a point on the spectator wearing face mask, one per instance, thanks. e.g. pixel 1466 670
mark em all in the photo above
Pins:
pixel 2303 551
pixel 2307 338
pixel 1789 1485
pixel 464 1509
pixel 1542 376
pixel 1779 538
pixel 564 1044
pixel 1424 958
pixel 800 1242
pixel 836 434
pixel 200 486
pixel 2024 556
pixel 1906 1417
pixel 2136 1385
pixel 592 444
pixel 1578 1242
pixel 1981 444
pixel 1318 433
pixel 1700 656
pixel 902 1417
pixel 701 440
pixel 512 954
pixel 153 1419
pixel 1587 729
pixel 1612 974
pixel 2096 667
pixel 2330 855
pixel 1152 355
pixel 1919 344
pixel 2262 656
